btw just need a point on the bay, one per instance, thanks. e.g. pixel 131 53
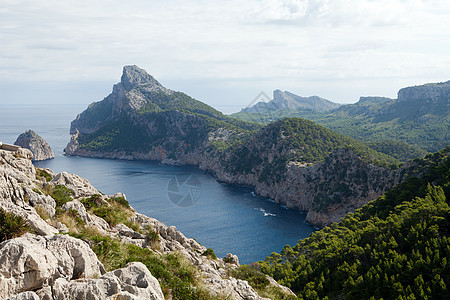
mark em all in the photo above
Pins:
pixel 223 217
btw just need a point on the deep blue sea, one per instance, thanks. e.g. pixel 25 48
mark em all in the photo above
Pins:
pixel 223 217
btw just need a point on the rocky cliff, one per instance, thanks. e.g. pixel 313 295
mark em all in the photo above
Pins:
pixel 72 245
pixel 39 147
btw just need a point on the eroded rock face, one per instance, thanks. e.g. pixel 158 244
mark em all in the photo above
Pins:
pixel 31 262
pixel 132 282
pixel 38 146
pixel 78 185
pixel 25 296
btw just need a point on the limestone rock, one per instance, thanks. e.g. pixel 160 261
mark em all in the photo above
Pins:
pixel 232 287
pixel 132 282
pixel 25 296
pixel 47 203
pixel 231 259
pixel 31 262
pixel 78 185
pixel 91 220
pixel 16 190
pixel 38 146
pixel 19 161
pixel 133 76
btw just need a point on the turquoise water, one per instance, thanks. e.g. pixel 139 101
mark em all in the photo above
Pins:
pixel 223 217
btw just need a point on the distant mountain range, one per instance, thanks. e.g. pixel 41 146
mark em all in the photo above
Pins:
pixel 286 100
pixel 418 120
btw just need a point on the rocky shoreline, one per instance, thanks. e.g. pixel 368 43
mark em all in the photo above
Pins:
pixel 46 263
pixel 362 181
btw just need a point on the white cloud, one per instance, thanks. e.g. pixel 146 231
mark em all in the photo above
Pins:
pixel 326 46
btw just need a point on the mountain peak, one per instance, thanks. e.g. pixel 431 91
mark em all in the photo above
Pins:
pixel 133 76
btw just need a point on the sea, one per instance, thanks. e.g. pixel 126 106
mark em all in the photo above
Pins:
pixel 226 218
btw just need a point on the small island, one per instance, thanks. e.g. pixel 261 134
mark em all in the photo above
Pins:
pixel 39 147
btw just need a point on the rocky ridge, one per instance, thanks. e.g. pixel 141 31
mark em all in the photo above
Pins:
pixel 39 147
pixel 48 264
pixel 286 100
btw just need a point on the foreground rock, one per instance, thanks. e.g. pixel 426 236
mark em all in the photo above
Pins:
pixel 38 146
pixel 47 265
pixel 32 262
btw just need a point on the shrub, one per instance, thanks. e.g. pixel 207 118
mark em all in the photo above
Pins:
pixel 61 194
pixel 152 235
pixel 254 277
pixel 42 174
pixel 11 226
pixel 209 253
pixel 93 201
pixel 121 201
pixel 114 214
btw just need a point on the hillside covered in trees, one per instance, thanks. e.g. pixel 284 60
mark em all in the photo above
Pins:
pixel 417 121
pixel 395 247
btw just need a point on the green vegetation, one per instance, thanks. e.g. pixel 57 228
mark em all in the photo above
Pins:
pixel 298 140
pixel 399 150
pixel 42 174
pixel 61 194
pixel 209 253
pixel 395 247
pixel 260 282
pixel 113 210
pixel 186 120
pixel 178 278
pixel 11 226
pixel 255 278
pixel 418 123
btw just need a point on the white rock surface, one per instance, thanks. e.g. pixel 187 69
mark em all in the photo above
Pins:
pixel 39 147
pixel 31 262
pixel 132 282
pixel 25 296
pixel 78 185
pixel 90 219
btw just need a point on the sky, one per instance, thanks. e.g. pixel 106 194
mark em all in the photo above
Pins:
pixel 224 53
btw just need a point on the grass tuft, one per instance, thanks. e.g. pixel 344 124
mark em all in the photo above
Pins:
pixel 11 226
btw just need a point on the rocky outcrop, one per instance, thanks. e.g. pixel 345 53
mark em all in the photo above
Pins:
pixel 32 262
pixel 132 282
pixel 39 147
pixel 79 186
pixel 434 92
pixel 47 265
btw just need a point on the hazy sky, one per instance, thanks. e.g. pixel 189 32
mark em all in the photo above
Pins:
pixel 222 52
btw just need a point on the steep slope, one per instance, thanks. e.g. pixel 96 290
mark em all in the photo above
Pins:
pixel 60 238
pixel 308 167
pixel 420 117
pixel 138 117
pixel 39 147
pixel 395 247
